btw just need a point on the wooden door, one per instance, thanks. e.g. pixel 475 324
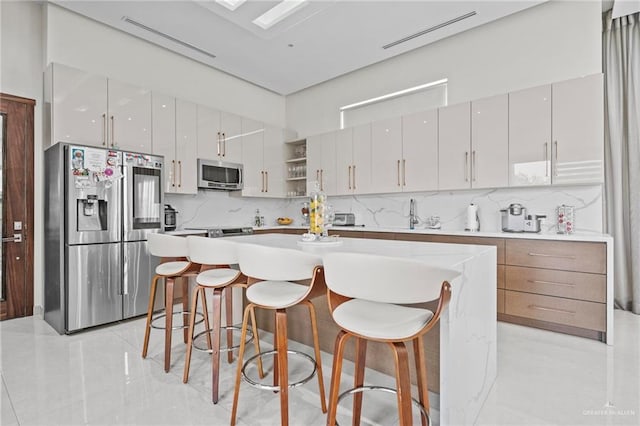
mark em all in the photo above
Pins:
pixel 16 167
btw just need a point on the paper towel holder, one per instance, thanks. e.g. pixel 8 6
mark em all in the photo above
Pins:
pixel 473 220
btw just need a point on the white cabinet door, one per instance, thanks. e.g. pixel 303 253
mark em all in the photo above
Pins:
pixel 129 117
pixel 386 155
pixel 186 147
pixel 344 161
pixel 209 138
pixel 530 136
pixel 578 131
pixel 454 143
pixel 252 158
pixel 79 107
pixel 314 161
pixel 273 157
pixel 231 129
pixel 361 171
pixel 164 137
pixel 328 165
pixel 490 142
pixel 420 151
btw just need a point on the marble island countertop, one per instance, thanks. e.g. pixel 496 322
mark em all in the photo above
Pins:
pixel 578 236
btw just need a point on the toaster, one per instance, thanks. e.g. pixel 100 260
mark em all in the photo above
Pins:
pixel 344 219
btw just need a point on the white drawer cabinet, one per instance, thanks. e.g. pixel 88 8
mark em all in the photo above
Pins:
pixel 263 159
pixel 386 155
pixel 489 142
pixel 321 163
pixel 420 151
pixel 219 135
pixel 454 145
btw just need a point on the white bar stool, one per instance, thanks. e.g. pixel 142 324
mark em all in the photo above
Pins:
pixel 215 257
pixel 365 294
pixel 271 272
pixel 174 265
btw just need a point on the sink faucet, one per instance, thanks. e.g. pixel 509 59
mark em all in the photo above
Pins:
pixel 413 218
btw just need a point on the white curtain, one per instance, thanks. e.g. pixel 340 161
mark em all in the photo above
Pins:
pixel 621 63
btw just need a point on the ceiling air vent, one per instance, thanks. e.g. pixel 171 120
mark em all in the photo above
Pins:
pixel 430 29
pixel 167 36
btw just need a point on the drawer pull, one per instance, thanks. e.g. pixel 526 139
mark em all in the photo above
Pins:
pixel 560 256
pixel 551 282
pixel 560 311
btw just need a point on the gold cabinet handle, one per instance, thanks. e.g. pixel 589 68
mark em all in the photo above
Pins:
pixel 398 173
pixel 349 177
pixel 560 311
pixel 180 173
pixel 546 159
pixel 551 283
pixel 354 176
pixel 224 144
pixel 404 172
pixel 266 180
pixel 262 173
pixel 113 131
pixel 173 177
pixel 466 166
pixel 104 129
pixel 218 144
pixel 555 159
pixel 560 256
pixel 473 165
pixel 321 179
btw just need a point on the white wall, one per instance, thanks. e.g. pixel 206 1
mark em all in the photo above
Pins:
pixel 79 42
pixel 21 64
pixel 551 42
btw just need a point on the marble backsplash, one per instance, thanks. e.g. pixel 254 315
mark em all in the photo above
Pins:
pixel 217 208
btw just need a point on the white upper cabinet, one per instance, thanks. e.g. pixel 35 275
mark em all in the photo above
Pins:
pixel 164 137
pixel 79 106
pixel 420 151
pixel 263 159
pixel 490 142
pixel 186 148
pixel 219 135
pixel 530 136
pixel 386 155
pixel 578 131
pixel 344 161
pixel 361 171
pixel 454 146
pixel 129 117
pixel 321 163
pixel 92 110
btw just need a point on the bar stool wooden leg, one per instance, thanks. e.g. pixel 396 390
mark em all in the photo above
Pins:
pixel 228 310
pixel 336 371
pixel 421 373
pixel 152 301
pixel 192 325
pixel 283 368
pixel 236 393
pixel 168 309
pixel 215 355
pixel 205 314
pixel 185 307
pixel 358 378
pixel 256 342
pixel 316 347
pixel 403 383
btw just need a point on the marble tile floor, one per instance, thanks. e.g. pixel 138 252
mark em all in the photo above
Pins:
pixel 98 377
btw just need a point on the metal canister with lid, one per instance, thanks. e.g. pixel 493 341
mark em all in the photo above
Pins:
pixel 566 219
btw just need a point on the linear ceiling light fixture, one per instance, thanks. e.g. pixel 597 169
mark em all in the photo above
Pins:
pixel 167 36
pixel 230 4
pixel 278 13
pixel 430 29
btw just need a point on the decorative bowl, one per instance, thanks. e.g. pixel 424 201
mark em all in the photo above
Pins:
pixel 284 221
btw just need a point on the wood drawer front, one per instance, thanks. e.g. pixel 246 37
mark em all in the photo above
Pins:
pixel 499 243
pixel 501 277
pixel 576 313
pixel 572 285
pixel 563 255
pixel 501 301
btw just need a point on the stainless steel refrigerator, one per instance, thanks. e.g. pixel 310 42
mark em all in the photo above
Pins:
pixel 100 205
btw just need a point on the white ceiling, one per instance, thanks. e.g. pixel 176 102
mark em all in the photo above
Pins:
pixel 321 41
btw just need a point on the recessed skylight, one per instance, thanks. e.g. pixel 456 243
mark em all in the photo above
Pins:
pixel 278 13
pixel 230 4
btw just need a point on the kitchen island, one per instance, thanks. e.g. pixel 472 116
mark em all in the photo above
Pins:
pixel 465 358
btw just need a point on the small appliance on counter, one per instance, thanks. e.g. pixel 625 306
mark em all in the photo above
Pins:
pixel 224 231
pixel 516 219
pixel 170 218
pixel 344 219
pixel 473 220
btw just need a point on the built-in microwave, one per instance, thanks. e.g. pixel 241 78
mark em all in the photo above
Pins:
pixel 214 174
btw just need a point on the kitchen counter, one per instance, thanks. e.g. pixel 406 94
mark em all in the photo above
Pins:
pixel 465 351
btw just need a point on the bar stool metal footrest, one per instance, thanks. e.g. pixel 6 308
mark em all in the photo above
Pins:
pixel 276 388
pixel 222 349
pixel 361 389
pixel 175 327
